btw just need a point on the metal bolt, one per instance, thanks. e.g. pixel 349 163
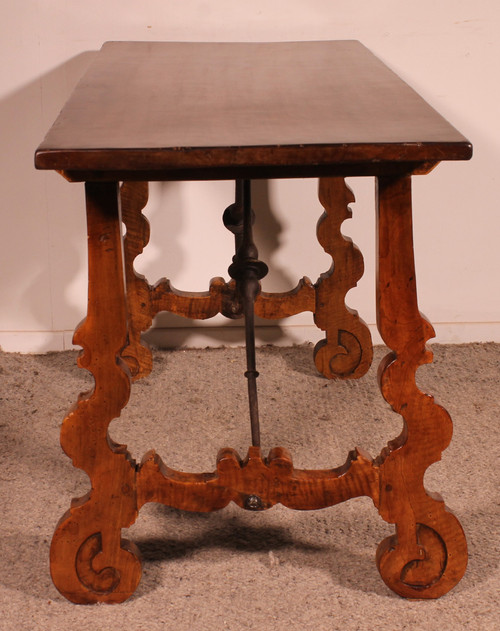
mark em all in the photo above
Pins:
pixel 253 502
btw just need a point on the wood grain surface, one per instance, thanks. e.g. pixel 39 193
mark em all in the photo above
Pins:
pixel 168 106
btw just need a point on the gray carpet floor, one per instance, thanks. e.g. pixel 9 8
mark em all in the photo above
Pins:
pixel 235 570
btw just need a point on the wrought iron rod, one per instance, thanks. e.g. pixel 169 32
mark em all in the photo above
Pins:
pixel 247 270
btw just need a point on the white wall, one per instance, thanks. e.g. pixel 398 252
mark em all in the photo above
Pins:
pixel 449 50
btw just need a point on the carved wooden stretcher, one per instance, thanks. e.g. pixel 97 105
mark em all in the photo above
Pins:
pixel 147 112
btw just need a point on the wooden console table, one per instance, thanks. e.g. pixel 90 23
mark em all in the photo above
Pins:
pixel 183 111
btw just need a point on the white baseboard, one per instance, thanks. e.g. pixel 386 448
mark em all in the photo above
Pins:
pixel 32 341
pixel 201 336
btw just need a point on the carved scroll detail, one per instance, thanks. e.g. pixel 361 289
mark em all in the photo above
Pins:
pixel 272 480
pixel 103 581
pixel 346 352
pixel 428 554
pixel 111 504
pixel 346 357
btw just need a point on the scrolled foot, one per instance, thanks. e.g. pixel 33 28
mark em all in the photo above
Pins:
pixel 86 574
pixel 341 360
pixel 431 571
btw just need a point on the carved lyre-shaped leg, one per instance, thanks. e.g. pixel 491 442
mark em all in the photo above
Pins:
pixel 89 561
pixel 346 352
pixel 428 554
pixel 134 197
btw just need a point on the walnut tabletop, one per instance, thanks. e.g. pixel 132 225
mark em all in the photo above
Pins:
pixel 224 110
